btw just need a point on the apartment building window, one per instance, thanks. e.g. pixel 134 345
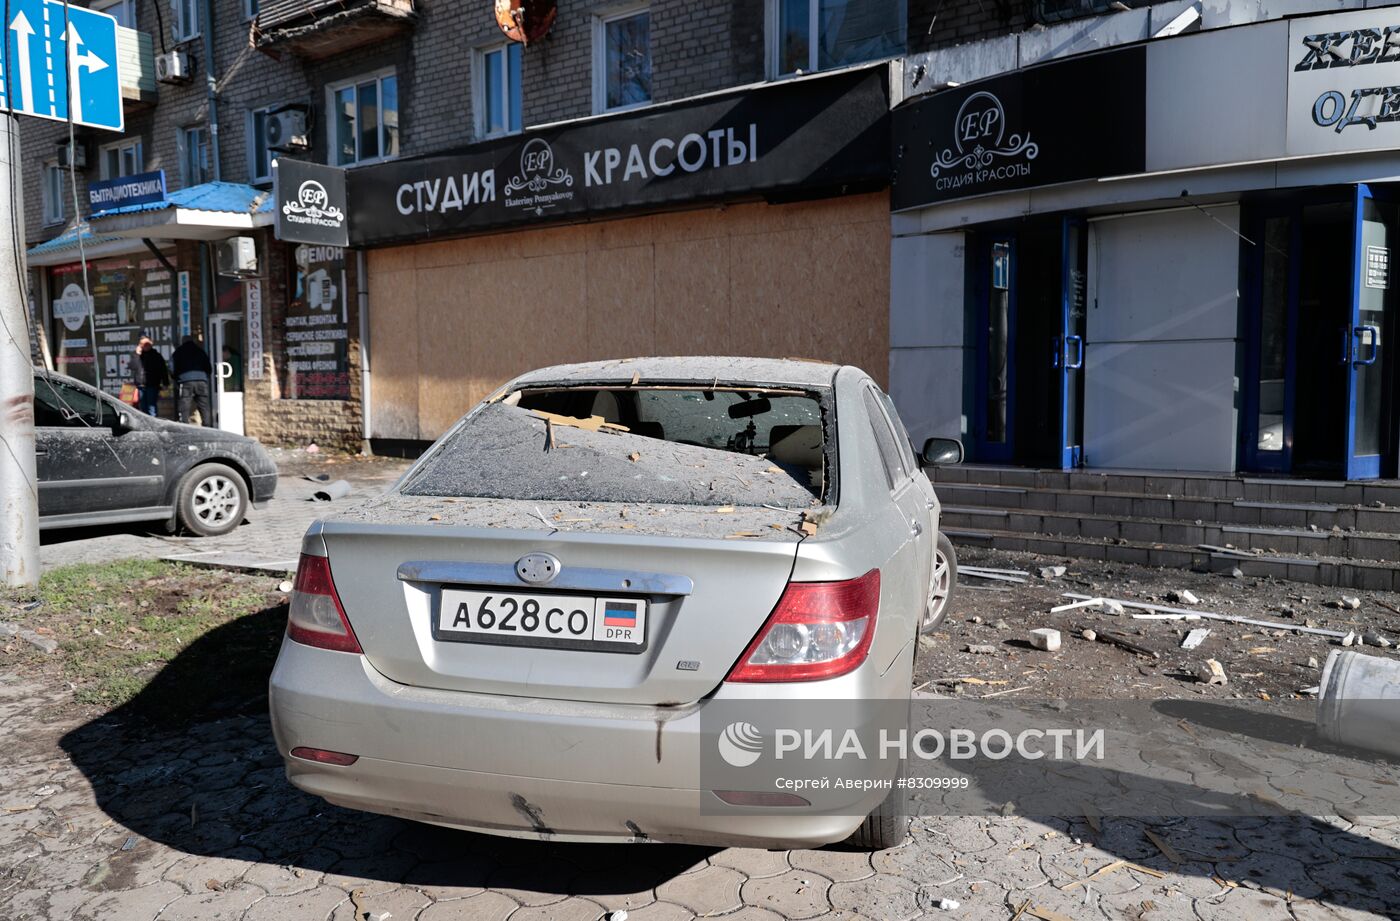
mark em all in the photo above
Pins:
pixel 186 19
pixel 498 80
pixel 194 155
pixel 55 184
pixel 250 9
pixel 364 123
pixel 622 60
pixel 121 159
pixel 259 154
pixel 123 11
pixel 812 35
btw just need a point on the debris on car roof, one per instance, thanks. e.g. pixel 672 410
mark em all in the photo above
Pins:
pixel 505 452
pixel 719 369
pixel 651 520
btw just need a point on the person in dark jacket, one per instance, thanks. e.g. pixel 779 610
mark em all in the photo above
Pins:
pixel 151 375
pixel 192 371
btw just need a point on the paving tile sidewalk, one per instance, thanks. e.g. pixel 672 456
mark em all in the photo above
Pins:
pixel 103 819
pixel 108 819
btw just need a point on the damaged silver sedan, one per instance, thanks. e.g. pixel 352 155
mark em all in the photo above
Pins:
pixel 521 636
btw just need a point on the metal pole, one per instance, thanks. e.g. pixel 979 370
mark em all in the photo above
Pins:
pixel 211 87
pixel 19 490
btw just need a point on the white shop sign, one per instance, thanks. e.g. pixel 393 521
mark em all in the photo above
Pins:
pixel 1344 82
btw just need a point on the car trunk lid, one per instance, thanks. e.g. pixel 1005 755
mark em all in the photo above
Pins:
pixel 709 577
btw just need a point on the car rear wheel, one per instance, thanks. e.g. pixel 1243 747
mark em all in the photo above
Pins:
pixel 212 500
pixel 940 590
pixel 888 825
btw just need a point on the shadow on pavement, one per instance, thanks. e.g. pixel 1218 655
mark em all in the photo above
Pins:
pixel 190 763
pixel 69 535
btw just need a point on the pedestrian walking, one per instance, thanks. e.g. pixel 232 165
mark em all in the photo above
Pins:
pixel 192 371
pixel 152 376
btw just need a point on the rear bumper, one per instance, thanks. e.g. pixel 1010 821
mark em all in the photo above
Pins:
pixel 519 766
pixel 264 485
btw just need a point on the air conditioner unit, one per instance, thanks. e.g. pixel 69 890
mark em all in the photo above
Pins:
pixel 74 157
pixel 238 256
pixel 173 67
pixel 286 129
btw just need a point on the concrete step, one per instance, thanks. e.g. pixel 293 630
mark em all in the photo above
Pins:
pixel 1326 571
pixel 1188 534
pixel 1215 510
pixel 1177 485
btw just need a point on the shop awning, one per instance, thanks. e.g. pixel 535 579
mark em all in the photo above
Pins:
pixel 64 247
pixel 209 211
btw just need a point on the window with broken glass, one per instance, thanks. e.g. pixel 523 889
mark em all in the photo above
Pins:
pixel 811 35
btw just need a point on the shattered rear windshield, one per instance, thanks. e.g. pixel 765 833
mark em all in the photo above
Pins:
pixel 671 446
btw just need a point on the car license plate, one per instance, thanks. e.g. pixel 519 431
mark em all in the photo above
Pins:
pixel 571 621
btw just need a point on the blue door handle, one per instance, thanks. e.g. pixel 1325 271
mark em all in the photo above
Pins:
pixel 1375 343
pixel 1079 353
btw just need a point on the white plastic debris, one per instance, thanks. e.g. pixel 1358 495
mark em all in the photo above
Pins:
pixel 285 586
pixel 948 904
pixel 1046 639
pixel 1195 638
pixel 619 915
pixel 1183 597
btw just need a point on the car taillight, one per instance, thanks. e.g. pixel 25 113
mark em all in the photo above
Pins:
pixel 316 617
pixel 818 630
pixel 324 756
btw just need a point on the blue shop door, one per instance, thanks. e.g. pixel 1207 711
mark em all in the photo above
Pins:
pixel 1068 360
pixel 1368 442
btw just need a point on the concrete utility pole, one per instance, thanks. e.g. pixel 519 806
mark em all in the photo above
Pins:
pixel 19 484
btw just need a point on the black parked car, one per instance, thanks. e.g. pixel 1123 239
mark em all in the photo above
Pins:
pixel 103 462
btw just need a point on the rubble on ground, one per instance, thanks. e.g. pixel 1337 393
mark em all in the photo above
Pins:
pixel 1267 635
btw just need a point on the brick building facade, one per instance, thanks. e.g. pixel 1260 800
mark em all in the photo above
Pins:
pixel 431 57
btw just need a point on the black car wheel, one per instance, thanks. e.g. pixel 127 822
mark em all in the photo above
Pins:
pixel 940 591
pixel 212 500
pixel 888 825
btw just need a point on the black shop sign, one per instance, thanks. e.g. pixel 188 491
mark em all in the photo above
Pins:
pixel 792 139
pixel 1081 118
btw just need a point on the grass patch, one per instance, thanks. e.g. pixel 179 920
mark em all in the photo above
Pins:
pixel 159 640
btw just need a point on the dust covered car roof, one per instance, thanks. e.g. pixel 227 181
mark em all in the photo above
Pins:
pixel 706 369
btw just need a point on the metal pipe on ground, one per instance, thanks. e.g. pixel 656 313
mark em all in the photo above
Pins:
pixel 332 491
pixel 1359 702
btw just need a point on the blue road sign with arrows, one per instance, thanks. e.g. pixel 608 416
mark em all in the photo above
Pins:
pixel 57 55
